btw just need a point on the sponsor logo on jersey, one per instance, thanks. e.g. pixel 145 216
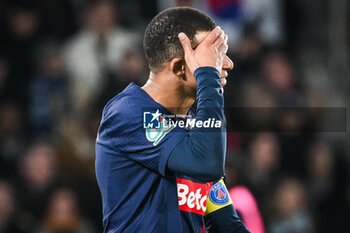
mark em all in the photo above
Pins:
pixel 192 196
pixel 218 194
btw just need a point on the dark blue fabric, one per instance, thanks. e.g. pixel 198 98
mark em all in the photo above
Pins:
pixel 201 154
pixel 136 195
pixel 139 193
pixel 225 220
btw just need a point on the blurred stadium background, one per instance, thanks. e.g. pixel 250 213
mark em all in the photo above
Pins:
pixel 61 60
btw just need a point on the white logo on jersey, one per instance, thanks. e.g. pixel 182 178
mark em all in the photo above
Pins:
pixel 156 135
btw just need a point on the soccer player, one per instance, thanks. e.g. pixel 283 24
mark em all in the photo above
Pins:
pixel 155 176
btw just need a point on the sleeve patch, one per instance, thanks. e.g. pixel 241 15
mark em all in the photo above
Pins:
pixel 218 197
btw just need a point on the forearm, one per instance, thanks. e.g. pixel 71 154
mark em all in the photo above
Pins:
pixel 225 220
pixel 221 216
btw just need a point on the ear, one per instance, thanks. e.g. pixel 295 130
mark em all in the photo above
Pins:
pixel 178 67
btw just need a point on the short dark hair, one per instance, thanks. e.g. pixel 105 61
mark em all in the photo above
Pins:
pixel 161 43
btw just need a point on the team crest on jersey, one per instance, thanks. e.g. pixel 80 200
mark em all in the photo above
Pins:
pixel 218 194
pixel 156 126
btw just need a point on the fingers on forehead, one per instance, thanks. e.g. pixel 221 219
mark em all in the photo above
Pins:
pixel 221 39
pixel 215 33
pixel 226 38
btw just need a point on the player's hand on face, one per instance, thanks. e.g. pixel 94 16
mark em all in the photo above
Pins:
pixel 210 52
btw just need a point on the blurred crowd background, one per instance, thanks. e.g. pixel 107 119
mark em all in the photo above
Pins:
pixel 62 60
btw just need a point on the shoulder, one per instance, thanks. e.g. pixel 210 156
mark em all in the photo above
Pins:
pixel 124 112
pixel 125 103
pixel 121 117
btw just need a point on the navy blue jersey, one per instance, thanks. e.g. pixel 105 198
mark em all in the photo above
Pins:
pixel 139 193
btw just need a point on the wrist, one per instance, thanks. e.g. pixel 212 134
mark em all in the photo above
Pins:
pixel 207 76
pixel 209 70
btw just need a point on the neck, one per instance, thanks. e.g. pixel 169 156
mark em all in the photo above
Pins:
pixel 169 93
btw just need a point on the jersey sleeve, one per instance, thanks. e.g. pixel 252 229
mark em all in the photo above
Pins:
pixel 201 153
pixel 220 215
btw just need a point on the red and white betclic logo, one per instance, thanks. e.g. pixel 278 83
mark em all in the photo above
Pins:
pixel 192 196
